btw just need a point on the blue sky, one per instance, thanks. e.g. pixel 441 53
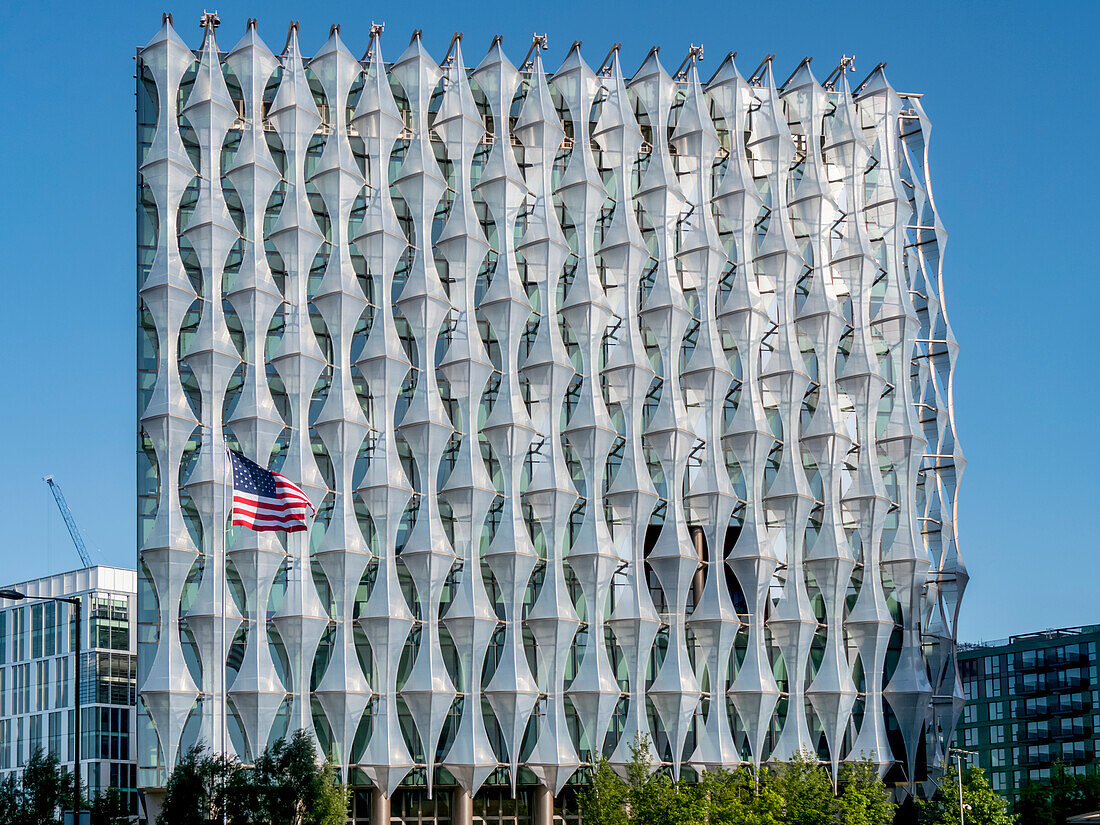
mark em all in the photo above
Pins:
pixel 1008 86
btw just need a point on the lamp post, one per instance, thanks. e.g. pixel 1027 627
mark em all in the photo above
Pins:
pixel 15 595
pixel 958 753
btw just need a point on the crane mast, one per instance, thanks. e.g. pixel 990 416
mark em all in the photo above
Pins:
pixel 70 522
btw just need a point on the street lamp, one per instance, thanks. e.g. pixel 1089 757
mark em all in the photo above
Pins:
pixel 958 753
pixel 16 596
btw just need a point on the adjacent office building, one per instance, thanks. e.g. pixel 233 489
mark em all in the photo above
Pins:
pixel 38 678
pixel 623 398
pixel 1031 700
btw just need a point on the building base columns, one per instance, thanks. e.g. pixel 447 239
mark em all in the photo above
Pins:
pixel 544 806
pixel 379 807
pixel 462 807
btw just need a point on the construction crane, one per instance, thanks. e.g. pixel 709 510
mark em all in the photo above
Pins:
pixel 67 514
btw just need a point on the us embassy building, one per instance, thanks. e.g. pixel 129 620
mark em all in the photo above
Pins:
pixel 624 403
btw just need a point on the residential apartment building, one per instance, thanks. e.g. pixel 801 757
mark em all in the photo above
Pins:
pixel 622 396
pixel 1031 700
pixel 38 676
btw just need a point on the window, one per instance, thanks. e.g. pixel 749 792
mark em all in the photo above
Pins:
pixel 36 731
pixel 36 631
pixel 20 689
pixel 996 712
pixel 42 685
pixel 49 629
pixel 110 623
pixel 18 637
pixel 996 735
pixel 61 682
pixel 56 734
pixel 20 750
pixel 105 733
pixel 970 714
pixel 3 691
pixel 115 679
pixel 999 783
pixel 997 757
pixel 969 691
pixel 5 744
pixel 3 637
pixel 993 688
pixel 970 737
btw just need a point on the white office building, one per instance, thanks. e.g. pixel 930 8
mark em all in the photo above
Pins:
pixel 623 396
pixel 38 681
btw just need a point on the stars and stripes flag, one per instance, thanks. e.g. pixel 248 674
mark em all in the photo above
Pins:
pixel 263 500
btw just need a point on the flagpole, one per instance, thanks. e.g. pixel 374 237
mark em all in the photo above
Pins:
pixel 224 575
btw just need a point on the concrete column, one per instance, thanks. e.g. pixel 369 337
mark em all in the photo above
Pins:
pixel 462 807
pixel 699 540
pixel 379 807
pixel 544 806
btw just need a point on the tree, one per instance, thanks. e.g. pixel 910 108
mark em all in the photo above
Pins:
pixel 742 797
pixel 807 791
pixel 649 794
pixel 864 798
pixel 985 806
pixel 1064 795
pixel 287 786
pixel 110 808
pixel 9 800
pixel 196 792
pixel 603 802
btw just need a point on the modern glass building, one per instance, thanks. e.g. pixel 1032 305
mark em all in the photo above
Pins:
pixel 1031 700
pixel 624 401
pixel 38 682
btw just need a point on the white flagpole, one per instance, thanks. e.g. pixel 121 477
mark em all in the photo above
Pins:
pixel 224 572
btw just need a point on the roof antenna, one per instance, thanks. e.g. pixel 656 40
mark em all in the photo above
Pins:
pixel 694 53
pixel 376 30
pixel 538 41
pixel 209 18
pixel 834 76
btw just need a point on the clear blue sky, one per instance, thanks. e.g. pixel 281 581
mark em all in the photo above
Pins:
pixel 1010 89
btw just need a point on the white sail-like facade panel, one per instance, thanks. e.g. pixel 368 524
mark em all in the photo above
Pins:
pixel 624 402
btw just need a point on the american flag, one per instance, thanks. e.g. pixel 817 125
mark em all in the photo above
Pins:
pixel 264 500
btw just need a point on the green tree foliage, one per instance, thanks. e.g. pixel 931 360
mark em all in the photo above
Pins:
pixel 110 808
pixel 863 798
pixel 985 806
pixel 741 797
pixel 40 794
pixel 1064 795
pixel 799 792
pixel 286 786
pixel 807 791
pixel 197 789
pixel 603 802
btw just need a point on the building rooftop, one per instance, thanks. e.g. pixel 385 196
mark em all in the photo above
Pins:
pixel 1035 636
pixel 97 577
